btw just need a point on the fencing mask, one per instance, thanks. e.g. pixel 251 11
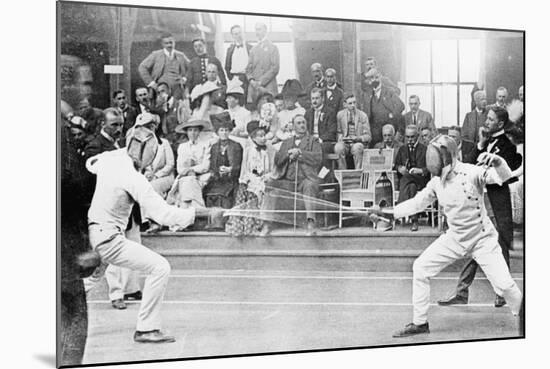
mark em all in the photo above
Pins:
pixel 441 156
pixel 142 147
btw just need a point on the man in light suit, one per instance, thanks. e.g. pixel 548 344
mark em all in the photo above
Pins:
pixel 166 65
pixel 353 133
pixel 418 117
pixel 263 65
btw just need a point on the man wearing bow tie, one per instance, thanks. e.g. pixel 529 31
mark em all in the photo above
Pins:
pixel 196 73
pixel 492 139
pixel 334 95
pixel 317 78
pixel 263 65
pixel 166 65
pixel 236 58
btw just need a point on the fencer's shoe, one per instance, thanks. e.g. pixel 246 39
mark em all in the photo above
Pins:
pixel 414 227
pixel 265 231
pixel 453 300
pixel 155 336
pixel 412 329
pixel 499 301
pixel 133 296
pixel 118 304
pixel 311 228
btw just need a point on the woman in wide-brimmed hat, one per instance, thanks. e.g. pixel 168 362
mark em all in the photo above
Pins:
pixel 234 96
pixel 202 102
pixel 291 91
pixel 225 165
pixel 256 168
pixel 193 164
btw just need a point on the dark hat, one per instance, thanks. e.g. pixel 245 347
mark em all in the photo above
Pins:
pixel 253 126
pixel 222 120
pixel 192 122
pixel 292 88
pixel 262 92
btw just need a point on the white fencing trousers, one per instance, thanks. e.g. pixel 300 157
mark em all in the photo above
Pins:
pixel 443 252
pixel 126 253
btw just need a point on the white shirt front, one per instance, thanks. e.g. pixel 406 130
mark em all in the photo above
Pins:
pixel 239 59
pixel 119 185
pixel 241 116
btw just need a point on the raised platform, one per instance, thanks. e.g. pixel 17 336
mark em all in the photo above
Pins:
pixel 345 249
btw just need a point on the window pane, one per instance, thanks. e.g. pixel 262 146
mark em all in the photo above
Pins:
pixel 425 95
pixel 469 60
pixel 287 69
pixel 444 53
pixel 418 62
pixel 251 20
pixel 229 20
pixel 465 100
pixel 280 24
pixel 445 105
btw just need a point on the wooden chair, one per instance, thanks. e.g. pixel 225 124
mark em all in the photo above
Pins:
pixel 352 191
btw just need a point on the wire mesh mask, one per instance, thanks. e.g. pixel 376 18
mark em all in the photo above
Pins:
pixel 142 147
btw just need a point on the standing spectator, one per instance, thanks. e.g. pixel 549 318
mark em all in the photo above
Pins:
pixel 263 65
pixel 353 133
pixel 225 166
pixel 418 117
pixel 382 105
pixel 236 58
pixel 334 94
pixel 411 169
pixel 493 140
pixel 234 97
pixel 389 141
pixel 475 119
pixel 321 123
pixel 129 113
pixel 197 71
pixel 318 78
pixel 166 65
pixel 370 63
pixel 212 75
pixel 501 97
pixel 465 148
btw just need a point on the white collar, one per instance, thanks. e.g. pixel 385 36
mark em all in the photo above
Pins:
pixel 106 135
pixel 498 133
pixel 333 87
pixel 319 108
pixel 378 89
pixel 170 55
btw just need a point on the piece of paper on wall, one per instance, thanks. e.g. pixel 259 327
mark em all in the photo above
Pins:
pixel 113 69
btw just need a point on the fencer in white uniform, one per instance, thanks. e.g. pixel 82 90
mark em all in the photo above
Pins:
pixel 120 183
pixel 458 187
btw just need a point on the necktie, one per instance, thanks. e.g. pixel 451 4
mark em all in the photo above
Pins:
pixel 414 120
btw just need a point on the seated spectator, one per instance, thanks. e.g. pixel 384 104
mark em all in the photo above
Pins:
pixel 269 119
pixel 263 97
pixel 144 102
pixel 418 117
pixel 475 119
pixel 426 135
pixel 193 165
pixel 317 79
pixel 234 98
pixel 202 104
pixel 109 135
pixel 501 97
pixel 91 115
pixel 411 169
pixel 334 95
pixel 291 91
pixel 225 166
pixel 297 163
pixel 256 169
pixel 218 96
pixel 321 123
pixel 168 107
pixel 197 71
pixel 353 133
pixel 78 137
pixel 515 135
pixel 278 100
pixel 129 113
pixel 465 148
pixel 389 141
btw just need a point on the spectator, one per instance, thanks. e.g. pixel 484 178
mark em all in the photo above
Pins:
pixel 261 99
pixel 371 63
pixel 297 163
pixel 234 97
pixel 465 148
pixel 129 113
pixel 279 103
pixel 218 96
pixel 389 141
pixel 236 58
pixel 501 97
pixel 197 72
pixel 168 106
pixel 334 95
pixel 78 138
pixel 109 135
pixel 426 136
pixel 475 119
pixel 166 65
pixel 292 89
pixel 411 169
pixel 382 105
pixel 353 133
pixel 202 102
pixel 418 117
pixel 91 115
pixel 225 166
pixel 255 171
pixel 263 66
pixel 321 123
pixel 317 78
pixel 145 104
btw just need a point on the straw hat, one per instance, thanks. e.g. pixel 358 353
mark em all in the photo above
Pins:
pixel 234 87
pixel 192 122
pixel 201 90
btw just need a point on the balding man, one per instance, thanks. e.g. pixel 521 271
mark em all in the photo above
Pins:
pixel 411 169
pixel 196 74
pixel 382 105
pixel 317 78
pixel 501 97
pixel 334 95
pixel 263 65
pixel 371 63
pixel 475 119
pixel 389 141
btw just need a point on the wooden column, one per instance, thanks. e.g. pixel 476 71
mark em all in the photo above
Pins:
pixel 124 22
pixel 349 55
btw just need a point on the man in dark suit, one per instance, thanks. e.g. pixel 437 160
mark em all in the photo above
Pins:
pixel 411 168
pixel 334 95
pixel 129 113
pixel 298 162
pixel 236 58
pixel 382 106
pixel 389 141
pixel 465 148
pixel 108 137
pixel 317 79
pixel 475 119
pixel 418 117
pixel 166 65
pixel 321 123
pixel 196 73
pixel 370 63
pixel 493 140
